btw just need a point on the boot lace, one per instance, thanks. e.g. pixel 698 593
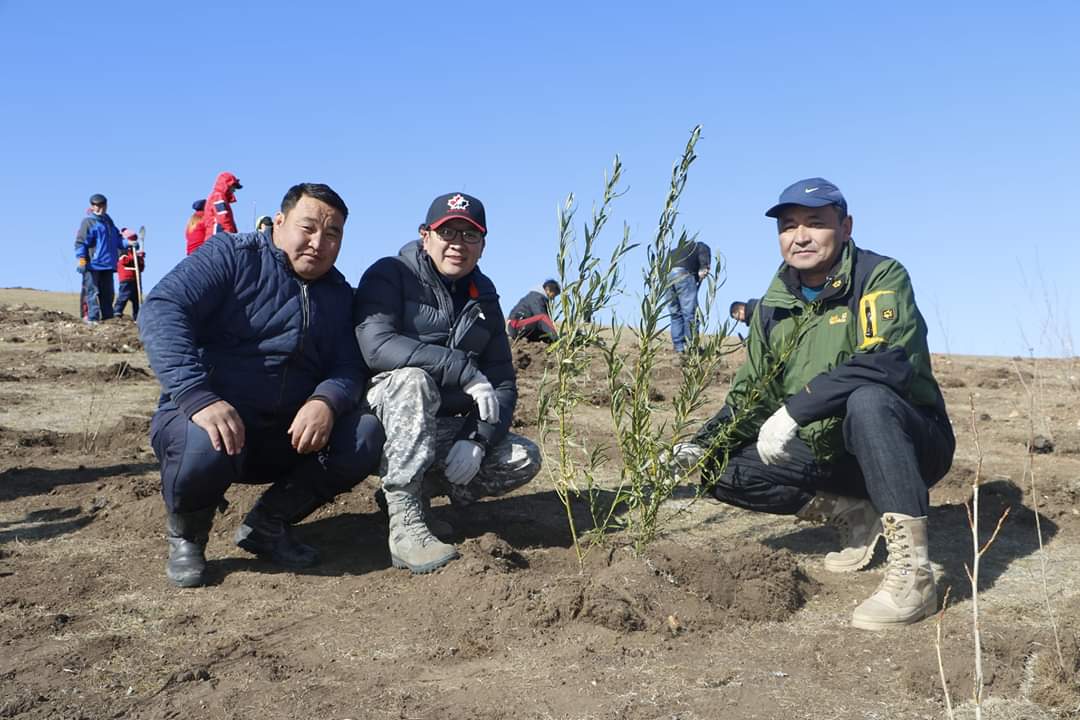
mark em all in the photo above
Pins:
pixel 901 564
pixel 412 522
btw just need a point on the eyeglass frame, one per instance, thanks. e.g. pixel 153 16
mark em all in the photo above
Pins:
pixel 455 234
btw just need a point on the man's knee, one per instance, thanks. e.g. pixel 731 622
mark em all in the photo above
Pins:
pixel 193 474
pixel 409 381
pixel 509 465
pixel 748 483
pixel 355 449
pixel 872 406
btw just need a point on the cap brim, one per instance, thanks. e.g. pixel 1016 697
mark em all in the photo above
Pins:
pixel 435 225
pixel 238 186
pixel 813 202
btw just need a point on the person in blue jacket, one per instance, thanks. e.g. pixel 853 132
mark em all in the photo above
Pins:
pixel 98 245
pixel 262 380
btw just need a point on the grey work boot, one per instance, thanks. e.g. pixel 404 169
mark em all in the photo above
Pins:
pixel 907 594
pixel 439 528
pixel 266 531
pixel 855 521
pixel 188 534
pixel 412 545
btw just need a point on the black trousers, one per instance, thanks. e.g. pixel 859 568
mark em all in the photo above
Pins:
pixel 895 453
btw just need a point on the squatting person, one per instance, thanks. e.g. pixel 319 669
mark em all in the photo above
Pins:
pixel 262 381
pixel 430 328
pixel 530 318
pixel 853 431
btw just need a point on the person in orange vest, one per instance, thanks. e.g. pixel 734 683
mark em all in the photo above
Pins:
pixel 125 275
pixel 196 229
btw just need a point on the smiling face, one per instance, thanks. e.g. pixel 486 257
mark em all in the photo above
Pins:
pixel 310 236
pixel 455 258
pixel 811 240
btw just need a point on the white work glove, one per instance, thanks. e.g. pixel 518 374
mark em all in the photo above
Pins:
pixel 775 437
pixel 484 395
pixel 687 455
pixel 463 461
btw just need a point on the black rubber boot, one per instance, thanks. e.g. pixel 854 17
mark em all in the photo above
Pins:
pixel 266 531
pixel 188 534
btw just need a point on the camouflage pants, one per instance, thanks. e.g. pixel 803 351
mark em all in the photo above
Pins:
pixel 406 401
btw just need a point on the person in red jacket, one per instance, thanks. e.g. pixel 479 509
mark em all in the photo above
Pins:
pixel 125 275
pixel 196 229
pixel 218 217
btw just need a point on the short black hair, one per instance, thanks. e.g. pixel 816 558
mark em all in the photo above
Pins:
pixel 552 286
pixel 318 191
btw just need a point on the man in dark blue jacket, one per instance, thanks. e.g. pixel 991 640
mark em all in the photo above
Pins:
pixel 98 245
pixel 430 328
pixel 262 381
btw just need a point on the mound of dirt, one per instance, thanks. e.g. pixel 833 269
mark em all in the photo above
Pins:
pixel 120 371
pixel 129 431
pixel 677 588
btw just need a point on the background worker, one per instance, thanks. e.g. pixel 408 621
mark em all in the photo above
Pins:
pixel 530 318
pixel 689 266
pixel 128 284
pixel 98 245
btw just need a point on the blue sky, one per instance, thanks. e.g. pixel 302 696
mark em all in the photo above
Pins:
pixel 953 130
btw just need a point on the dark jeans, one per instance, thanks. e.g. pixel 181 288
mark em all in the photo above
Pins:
pixel 128 291
pixel 896 452
pixel 195 476
pixel 98 288
pixel 682 307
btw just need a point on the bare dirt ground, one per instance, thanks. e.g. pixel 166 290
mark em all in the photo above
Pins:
pixel 729 615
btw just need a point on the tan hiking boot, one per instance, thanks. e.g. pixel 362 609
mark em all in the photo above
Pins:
pixel 907 594
pixel 855 521
pixel 439 528
pixel 412 545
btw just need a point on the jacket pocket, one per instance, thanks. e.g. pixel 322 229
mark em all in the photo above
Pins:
pixel 877 314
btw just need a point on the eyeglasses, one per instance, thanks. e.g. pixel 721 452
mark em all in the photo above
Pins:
pixel 469 237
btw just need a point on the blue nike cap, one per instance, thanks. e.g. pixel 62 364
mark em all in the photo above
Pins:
pixel 812 192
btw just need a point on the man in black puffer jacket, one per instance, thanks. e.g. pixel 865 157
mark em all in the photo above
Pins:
pixel 430 328
pixel 262 381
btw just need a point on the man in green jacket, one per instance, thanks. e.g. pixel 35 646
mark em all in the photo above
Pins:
pixel 835 416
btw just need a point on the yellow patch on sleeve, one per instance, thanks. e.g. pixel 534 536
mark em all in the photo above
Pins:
pixel 872 334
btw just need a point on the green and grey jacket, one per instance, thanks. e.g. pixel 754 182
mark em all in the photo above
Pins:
pixel 863 328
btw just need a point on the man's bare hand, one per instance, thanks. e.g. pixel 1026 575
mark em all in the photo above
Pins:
pixel 224 426
pixel 310 429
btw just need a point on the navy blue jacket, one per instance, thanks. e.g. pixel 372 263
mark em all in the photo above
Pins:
pixel 233 322
pixel 405 317
pixel 99 241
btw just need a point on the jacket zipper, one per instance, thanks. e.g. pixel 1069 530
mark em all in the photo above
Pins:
pixel 466 319
pixel 442 297
pixel 304 321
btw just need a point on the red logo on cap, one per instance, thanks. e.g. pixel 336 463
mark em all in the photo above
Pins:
pixel 458 202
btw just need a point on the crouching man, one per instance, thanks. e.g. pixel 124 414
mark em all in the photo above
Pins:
pixel 430 328
pixel 853 430
pixel 262 381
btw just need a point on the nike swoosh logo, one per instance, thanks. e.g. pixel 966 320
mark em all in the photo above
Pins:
pixel 809 190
